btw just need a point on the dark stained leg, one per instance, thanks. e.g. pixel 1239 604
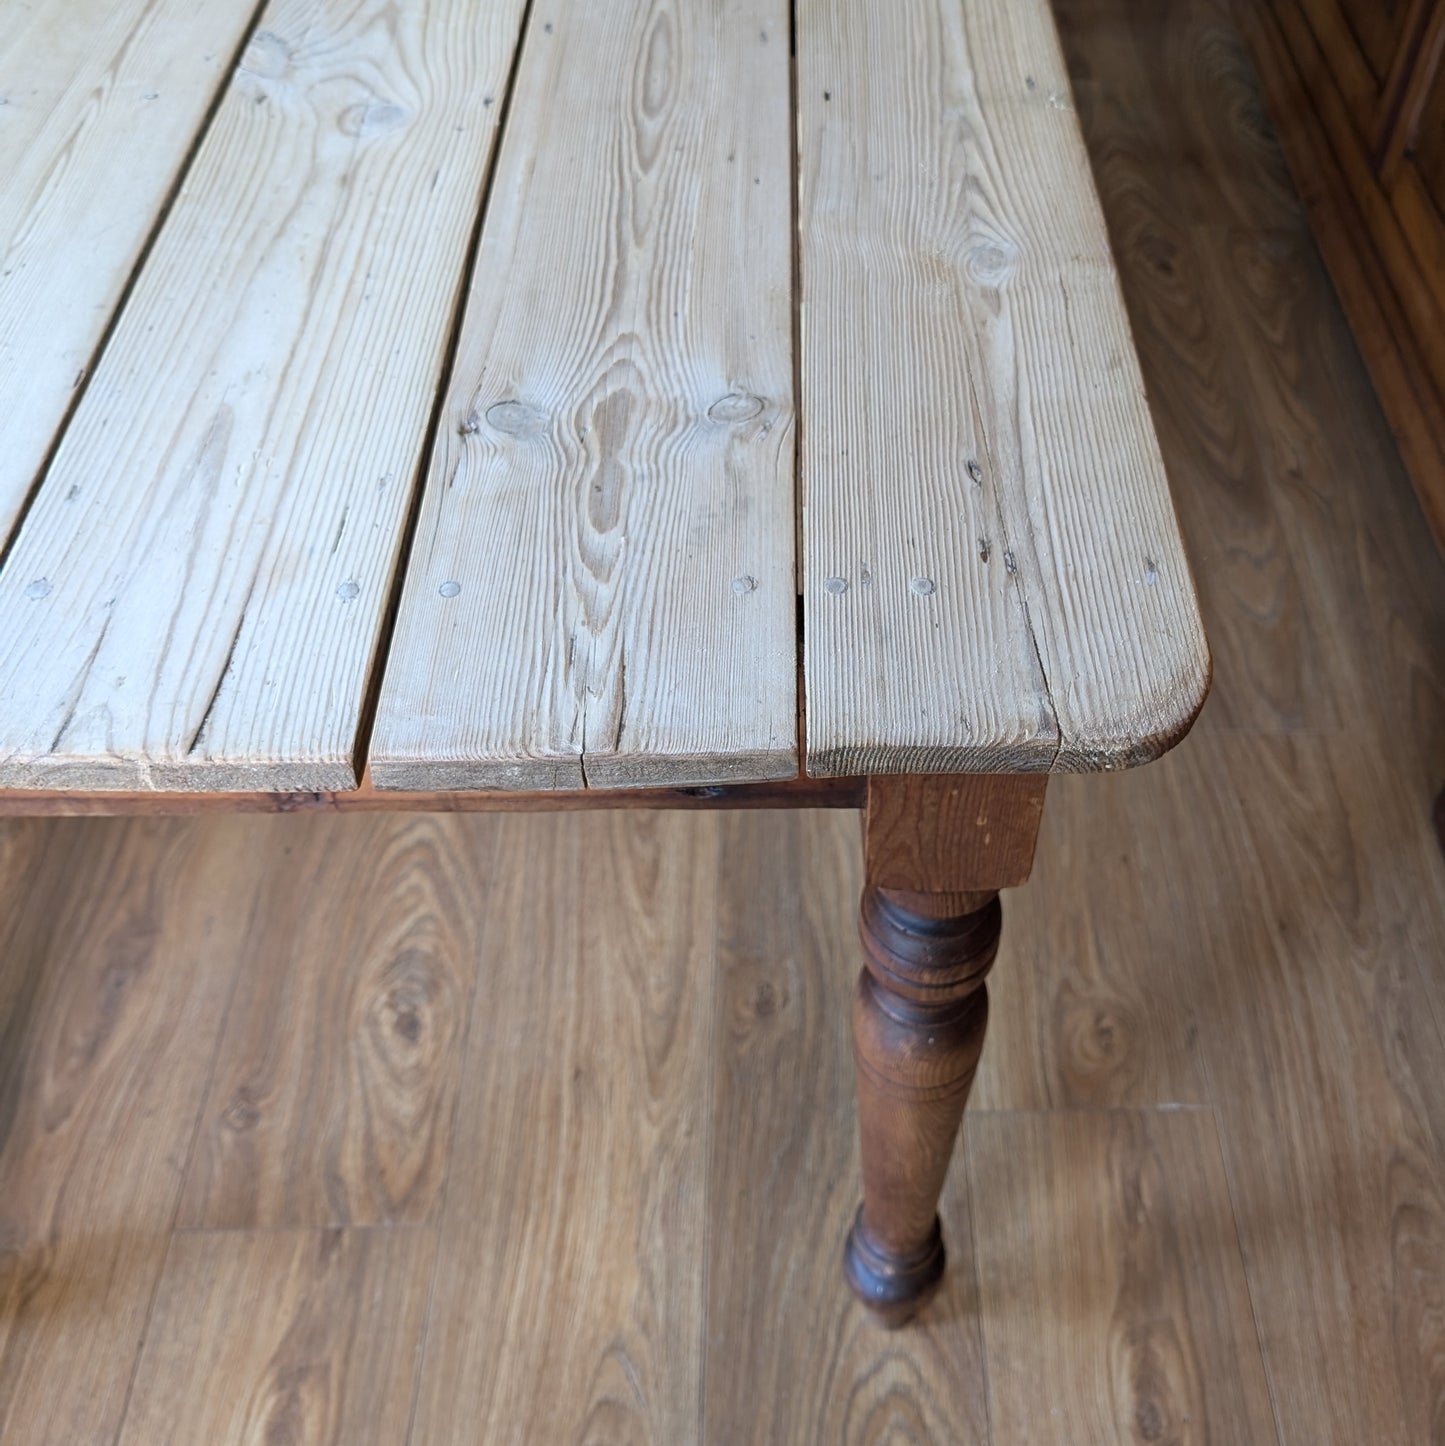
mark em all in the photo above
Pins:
pixel 938 850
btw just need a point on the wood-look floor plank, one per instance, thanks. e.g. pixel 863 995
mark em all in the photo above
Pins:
pixel 602 590
pixel 198 590
pixel 1077 1016
pixel 1295 881
pixel 1113 1300
pixel 993 576
pixel 99 102
pixel 1308 901
pixel 790 1357
pixel 283 1336
pixel 364 945
pixel 570 1304
pixel 114 982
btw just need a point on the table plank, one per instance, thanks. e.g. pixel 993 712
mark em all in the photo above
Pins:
pixel 198 590
pixel 993 575
pixel 602 587
pixel 99 100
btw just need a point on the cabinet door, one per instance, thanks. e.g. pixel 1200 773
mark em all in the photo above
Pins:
pixel 1416 182
pixel 1380 28
pixel 1413 181
pixel 1366 45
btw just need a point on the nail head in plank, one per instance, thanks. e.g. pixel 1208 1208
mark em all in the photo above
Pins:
pixel 99 100
pixel 611 494
pixel 993 575
pixel 199 587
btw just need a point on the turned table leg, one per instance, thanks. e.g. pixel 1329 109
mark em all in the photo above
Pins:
pixel 937 852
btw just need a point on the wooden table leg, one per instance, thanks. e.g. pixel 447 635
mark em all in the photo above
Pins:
pixel 938 849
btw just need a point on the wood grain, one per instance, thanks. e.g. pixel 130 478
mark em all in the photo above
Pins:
pixel 952 834
pixel 1159 104
pixel 346 1117
pixel 576 1193
pixel 1394 304
pixel 199 587
pixel 98 106
pixel 993 577
pixel 1315 957
pixel 1252 928
pixel 1084 1010
pixel 801 792
pixel 602 588
pixel 118 964
pixel 787 952
pixel 1367 578
pixel 1113 1301
pixel 289 1336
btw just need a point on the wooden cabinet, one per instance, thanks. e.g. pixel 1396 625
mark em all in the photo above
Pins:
pixel 1356 89
pixel 1361 42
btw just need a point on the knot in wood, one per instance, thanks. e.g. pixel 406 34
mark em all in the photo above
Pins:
pixel 372 117
pixel 516 419
pixel 267 55
pixel 735 407
pixel 992 264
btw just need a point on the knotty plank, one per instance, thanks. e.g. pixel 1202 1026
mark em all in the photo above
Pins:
pixel 198 590
pixel 569 1306
pixel 283 1336
pixel 786 1172
pixel 99 103
pixel 116 967
pixel 602 588
pixel 1154 96
pixel 993 578
pixel 1112 1295
pixel 363 944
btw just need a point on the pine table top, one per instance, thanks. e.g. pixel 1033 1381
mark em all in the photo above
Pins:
pixel 559 396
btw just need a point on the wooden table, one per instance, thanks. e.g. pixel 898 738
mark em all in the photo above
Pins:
pixel 483 404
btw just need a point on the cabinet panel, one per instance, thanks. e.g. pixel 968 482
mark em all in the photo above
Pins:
pixel 1426 149
pixel 1380 28
pixel 1364 45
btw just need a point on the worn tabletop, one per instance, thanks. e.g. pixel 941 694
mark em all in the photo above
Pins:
pixel 565 395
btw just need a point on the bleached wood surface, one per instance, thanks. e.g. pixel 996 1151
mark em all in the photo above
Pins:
pixel 993 575
pixel 602 589
pixel 99 101
pixel 195 597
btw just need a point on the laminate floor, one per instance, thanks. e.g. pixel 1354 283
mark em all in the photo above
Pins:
pixel 539 1129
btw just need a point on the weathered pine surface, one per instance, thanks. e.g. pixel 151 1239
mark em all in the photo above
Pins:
pixel 197 593
pixel 80 82
pixel 1207 1139
pixel 614 521
pixel 602 587
pixel 993 578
